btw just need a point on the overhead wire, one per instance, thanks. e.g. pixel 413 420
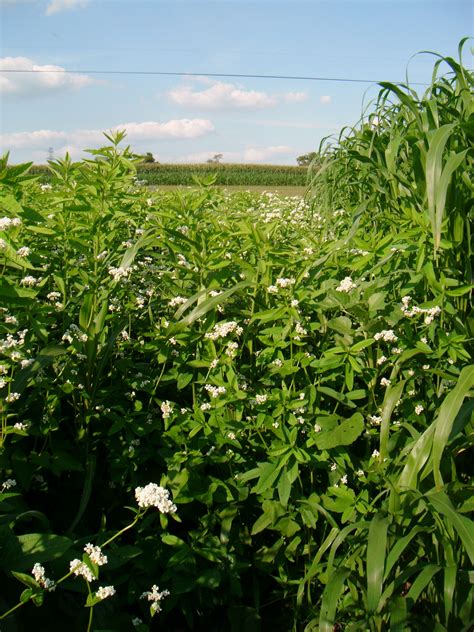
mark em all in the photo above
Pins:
pixel 204 74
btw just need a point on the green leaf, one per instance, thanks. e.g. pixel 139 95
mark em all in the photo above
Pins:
pixel 376 547
pixel 331 594
pixel 345 434
pixel 25 550
pixel 26 579
pixel 446 417
pixel 464 527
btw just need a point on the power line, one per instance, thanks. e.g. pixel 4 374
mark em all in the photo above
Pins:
pixel 204 74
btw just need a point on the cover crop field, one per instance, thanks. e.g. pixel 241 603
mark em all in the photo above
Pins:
pixel 244 412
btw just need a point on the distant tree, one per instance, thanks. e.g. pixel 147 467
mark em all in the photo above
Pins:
pixel 306 159
pixel 148 157
pixel 215 159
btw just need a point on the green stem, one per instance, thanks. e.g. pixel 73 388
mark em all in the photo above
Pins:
pixel 91 610
pixel 18 605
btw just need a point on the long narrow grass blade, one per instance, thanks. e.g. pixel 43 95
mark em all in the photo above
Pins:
pixel 376 547
pixel 446 417
pixel 331 595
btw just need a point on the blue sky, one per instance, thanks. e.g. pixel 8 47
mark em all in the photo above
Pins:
pixel 183 119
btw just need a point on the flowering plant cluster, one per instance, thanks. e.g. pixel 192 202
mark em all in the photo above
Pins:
pixel 294 375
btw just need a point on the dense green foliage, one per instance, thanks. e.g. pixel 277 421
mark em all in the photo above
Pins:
pixel 157 174
pixel 297 373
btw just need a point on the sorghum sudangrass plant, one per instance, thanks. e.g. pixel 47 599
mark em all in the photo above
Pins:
pixel 410 163
pixel 294 376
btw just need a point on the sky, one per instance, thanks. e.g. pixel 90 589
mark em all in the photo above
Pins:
pixel 190 119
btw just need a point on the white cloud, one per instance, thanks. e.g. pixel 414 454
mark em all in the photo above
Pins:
pixel 325 99
pixel 55 6
pixel 261 154
pixel 28 84
pixel 295 97
pixel 250 154
pixel 222 95
pixel 77 140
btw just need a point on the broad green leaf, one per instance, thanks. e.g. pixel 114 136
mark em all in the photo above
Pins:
pixel 345 434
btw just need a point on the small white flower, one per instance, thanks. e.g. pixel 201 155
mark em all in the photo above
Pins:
pixel 333 467
pixel 272 289
pixel 38 573
pixel 155 596
pixel 381 360
pixel 231 436
pixel 317 428
pixel 205 406
pixel 81 570
pixel 105 591
pixel 8 484
pixel 29 281
pixel 261 399
pixel 275 424
pixel 152 495
pixel 24 251
pixel 375 420
pixel 21 426
pixel 387 335
pixel 166 409
pixel 95 554
pixel 375 454
pixel 343 479
pixel 346 285
pixel 419 409
pixel 385 382
pixel 12 397
pixel 283 282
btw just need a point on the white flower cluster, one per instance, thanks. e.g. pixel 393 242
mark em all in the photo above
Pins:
pixel 375 420
pixel 284 282
pixel 8 484
pixel 29 281
pixel 166 409
pixel 38 573
pixel 177 300
pixel 387 335
pixel 105 591
pixel 74 333
pixel 119 273
pixel 346 285
pixel 430 312
pixel 152 495
pixel 81 570
pixel 231 349
pixel 8 222
pixel 155 595
pixel 300 331
pixel 385 382
pixel 419 409
pixel 221 330
pixel 24 251
pixel 10 342
pixel 95 554
pixel 215 391
pixel 261 399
